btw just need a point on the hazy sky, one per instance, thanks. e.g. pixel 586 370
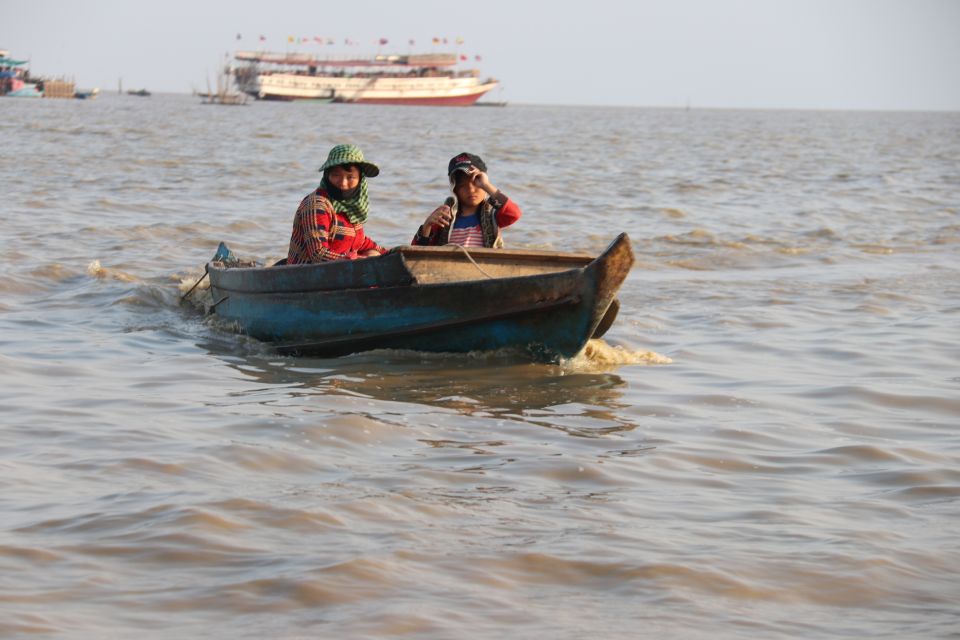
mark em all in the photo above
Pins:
pixel 832 54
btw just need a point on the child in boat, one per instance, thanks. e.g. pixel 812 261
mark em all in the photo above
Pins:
pixel 475 214
pixel 328 224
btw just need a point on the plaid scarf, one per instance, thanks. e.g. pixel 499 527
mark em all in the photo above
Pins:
pixel 355 209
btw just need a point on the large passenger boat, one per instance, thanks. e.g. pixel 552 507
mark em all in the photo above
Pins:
pixel 424 79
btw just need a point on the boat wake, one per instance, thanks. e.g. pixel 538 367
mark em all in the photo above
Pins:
pixel 97 270
pixel 599 355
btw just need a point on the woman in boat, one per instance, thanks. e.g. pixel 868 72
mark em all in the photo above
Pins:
pixel 475 214
pixel 328 224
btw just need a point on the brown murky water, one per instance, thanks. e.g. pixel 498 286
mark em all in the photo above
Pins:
pixel 764 446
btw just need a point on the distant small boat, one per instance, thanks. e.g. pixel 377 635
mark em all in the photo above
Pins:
pixel 442 299
pixel 86 94
pixel 139 92
pixel 224 98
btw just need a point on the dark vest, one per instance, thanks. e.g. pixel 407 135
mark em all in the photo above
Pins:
pixel 488 225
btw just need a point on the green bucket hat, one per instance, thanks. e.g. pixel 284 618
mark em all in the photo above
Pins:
pixel 350 154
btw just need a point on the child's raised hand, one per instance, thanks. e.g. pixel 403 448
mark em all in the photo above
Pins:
pixel 482 181
pixel 441 218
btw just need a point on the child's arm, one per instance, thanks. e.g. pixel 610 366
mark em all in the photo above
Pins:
pixel 369 248
pixel 441 218
pixel 508 211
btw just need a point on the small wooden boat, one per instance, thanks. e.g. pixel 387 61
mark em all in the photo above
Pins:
pixel 440 299
pixel 224 98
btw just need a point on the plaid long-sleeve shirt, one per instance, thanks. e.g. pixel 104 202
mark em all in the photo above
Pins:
pixel 321 234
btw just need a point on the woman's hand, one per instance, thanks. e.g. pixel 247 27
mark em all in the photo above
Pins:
pixel 441 218
pixel 369 253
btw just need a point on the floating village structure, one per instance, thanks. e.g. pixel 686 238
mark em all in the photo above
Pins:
pixel 16 82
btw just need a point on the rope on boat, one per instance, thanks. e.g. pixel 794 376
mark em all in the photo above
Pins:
pixel 206 272
pixel 470 258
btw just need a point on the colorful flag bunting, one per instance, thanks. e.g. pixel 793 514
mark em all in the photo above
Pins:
pixel 379 41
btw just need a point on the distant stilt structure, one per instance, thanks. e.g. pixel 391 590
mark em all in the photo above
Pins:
pixel 58 88
pixel 224 94
pixel 120 86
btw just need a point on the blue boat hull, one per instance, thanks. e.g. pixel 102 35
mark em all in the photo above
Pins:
pixel 344 307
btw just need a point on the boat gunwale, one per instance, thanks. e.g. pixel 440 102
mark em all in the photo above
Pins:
pixel 390 287
pixel 446 251
pixel 566 262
